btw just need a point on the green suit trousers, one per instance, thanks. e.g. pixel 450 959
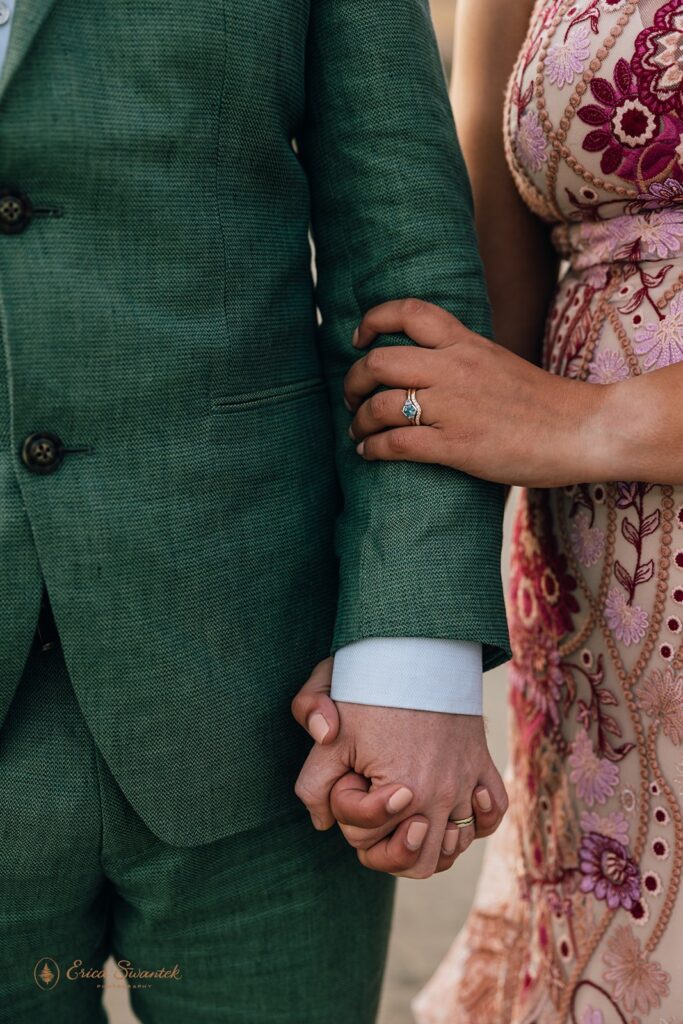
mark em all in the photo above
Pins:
pixel 275 924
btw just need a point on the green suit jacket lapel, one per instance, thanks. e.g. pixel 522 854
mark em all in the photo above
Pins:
pixel 29 15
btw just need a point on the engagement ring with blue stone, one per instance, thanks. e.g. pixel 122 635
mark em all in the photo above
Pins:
pixel 412 410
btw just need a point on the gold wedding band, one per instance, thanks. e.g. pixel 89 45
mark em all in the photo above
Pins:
pixel 462 822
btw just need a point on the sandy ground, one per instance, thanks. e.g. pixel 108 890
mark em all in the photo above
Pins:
pixel 428 914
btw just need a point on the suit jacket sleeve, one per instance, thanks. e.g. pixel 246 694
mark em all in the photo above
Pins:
pixel 419 546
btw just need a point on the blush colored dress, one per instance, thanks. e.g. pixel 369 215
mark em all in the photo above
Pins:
pixel 579 915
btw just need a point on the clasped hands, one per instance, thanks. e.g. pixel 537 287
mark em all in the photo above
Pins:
pixel 392 778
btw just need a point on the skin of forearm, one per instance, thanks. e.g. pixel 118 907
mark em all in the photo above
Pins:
pixel 637 431
pixel 521 268
pixel 519 261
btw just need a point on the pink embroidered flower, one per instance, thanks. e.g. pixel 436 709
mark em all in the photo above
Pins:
pixel 636 981
pixel 661 698
pixel 628 622
pixel 658 60
pixel 531 143
pixel 587 541
pixel 661 343
pixel 539 677
pixel 662 193
pixel 603 242
pixel 660 233
pixel 595 777
pixel 567 59
pixel 608 367
pixel 591 1016
pixel 608 871
pixel 614 825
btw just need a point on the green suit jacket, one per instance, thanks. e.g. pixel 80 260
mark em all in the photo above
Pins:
pixel 217 534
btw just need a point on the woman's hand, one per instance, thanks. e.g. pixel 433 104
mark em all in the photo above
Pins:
pixel 485 410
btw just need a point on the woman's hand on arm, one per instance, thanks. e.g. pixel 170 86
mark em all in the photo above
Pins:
pixel 492 414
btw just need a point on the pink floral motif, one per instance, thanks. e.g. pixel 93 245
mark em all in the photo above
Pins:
pixel 591 1016
pixel 661 344
pixel 636 981
pixel 531 144
pixel 658 60
pixel 588 541
pixel 661 698
pixel 595 777
pixel 568 58
pixel 614 825
pixel 662 193
pixel 608 871
pixel 608 367
pixel 660 234
pixel 628 622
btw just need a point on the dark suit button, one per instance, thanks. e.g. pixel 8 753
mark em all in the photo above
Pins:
pixel 42 453
pixel 15 211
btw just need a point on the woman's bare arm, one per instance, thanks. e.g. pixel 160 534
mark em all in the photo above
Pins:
pixel 520 263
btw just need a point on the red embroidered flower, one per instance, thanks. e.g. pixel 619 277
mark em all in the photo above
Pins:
pixel 658 61
pixel 637 143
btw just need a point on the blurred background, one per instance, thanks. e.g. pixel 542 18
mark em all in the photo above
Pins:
pixel 428 913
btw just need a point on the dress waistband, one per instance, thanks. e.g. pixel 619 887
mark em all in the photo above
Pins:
pixel 632 238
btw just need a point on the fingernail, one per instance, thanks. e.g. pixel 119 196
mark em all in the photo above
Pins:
pixel 399 800
pixel 483 798
pixel 416 834
pixel 354 340
pixel 347 404
pixel 450 841
pixel 361 448
pixel 317 822
pixel 318 726
pixel 351 434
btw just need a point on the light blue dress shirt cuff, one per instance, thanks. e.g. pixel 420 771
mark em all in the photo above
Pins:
pixel 410 672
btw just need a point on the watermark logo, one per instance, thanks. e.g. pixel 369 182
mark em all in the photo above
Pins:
pixel 46 973
pixel 121 974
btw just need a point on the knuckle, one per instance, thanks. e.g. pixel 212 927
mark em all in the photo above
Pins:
pixel 399 441
pixel 378 405
pixel 375 360
pixel 305 793
pixel 412 307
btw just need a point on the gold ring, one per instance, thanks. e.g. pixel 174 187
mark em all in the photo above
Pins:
pixel 412 410
pixel 462 822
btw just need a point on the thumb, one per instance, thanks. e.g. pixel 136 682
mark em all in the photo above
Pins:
pixel 313 707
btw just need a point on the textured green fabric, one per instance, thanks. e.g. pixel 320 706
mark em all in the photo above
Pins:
pixel 167 320
pixel 278 925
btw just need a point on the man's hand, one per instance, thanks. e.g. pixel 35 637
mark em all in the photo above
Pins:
pixel 393 778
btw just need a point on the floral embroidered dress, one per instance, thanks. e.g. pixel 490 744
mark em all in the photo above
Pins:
pixel 579 913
